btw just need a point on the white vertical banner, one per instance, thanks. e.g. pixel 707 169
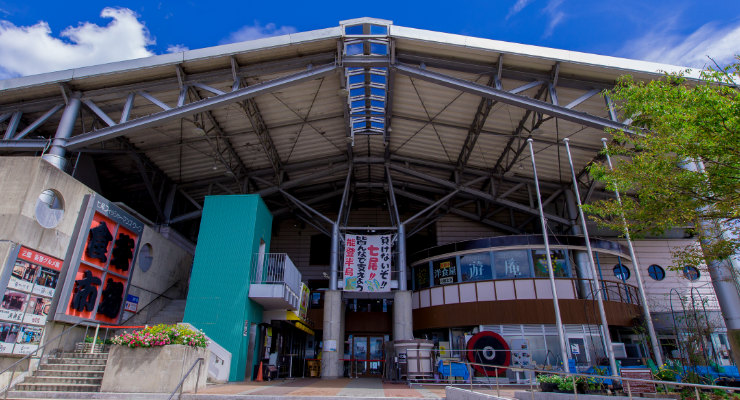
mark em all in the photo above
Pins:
pixel 367 263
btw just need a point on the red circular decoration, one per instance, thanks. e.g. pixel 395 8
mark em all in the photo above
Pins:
pixel 495 342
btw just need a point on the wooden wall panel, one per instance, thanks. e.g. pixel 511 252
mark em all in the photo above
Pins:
pixel 521 312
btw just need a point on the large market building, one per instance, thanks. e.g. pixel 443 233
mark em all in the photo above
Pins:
pixel 272 163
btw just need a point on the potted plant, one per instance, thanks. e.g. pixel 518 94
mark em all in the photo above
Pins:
pixel 592 386
pixel 548 382
pixel 565 386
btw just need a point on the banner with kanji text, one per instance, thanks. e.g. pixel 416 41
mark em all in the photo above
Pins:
pixel 367 263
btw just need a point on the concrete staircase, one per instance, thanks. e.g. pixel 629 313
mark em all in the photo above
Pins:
pixel 171 314
pixel 69 372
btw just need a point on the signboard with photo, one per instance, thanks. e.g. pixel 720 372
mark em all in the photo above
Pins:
pixel 367 263
pixel 27 300
pixel 444 271
pixel 102 259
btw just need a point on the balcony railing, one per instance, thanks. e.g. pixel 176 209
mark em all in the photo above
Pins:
pixel 275 268
pixel 523 289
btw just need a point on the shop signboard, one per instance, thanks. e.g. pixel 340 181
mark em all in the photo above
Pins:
pixel 28 284
pixel 132 303
pixel 367 263
pixel 303 307
pixel 99 263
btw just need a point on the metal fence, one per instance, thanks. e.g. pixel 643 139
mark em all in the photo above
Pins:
pixel 275 268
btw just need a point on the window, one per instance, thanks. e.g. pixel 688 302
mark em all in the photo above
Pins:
pixel 621 272
pixel 512 264
pixel 444 271
pixel 656 272
pixel 421 276
pixel 560 265
pixel 476 267
pixel 691 273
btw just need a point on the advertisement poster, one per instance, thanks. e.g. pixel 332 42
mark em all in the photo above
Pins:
pixel 367 263
pixel 26 301
pixel 303 307
pixel 444 271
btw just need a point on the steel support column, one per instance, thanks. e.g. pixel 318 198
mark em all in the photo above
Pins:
pixel 558 319
pixel 638 277
pixel 56 153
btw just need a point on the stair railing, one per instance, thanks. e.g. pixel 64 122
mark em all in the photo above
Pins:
pixel 31 354
pixel 152 301
pixel 199 363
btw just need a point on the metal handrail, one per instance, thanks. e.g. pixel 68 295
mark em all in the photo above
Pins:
pixel 696 386
pixel 199 362
pixel 152 301
pixel 31 354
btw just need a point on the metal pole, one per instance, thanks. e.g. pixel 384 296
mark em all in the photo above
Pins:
pixel 597 283
pixel 558 320
pixel 56 153
pixel 344 195
pixel 401 257
pixel 334 265
pixel 197 378
pixel 95 338
pixel 638 276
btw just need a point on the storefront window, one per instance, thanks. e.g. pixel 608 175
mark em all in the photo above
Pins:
pixel 445 271
pixel 476 267
pixel 421 276
pixel 559 263
pixel 512 264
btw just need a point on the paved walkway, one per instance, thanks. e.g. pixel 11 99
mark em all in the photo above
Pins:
pixel 345 387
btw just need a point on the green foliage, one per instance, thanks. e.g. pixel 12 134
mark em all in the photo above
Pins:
pixel 679 121
pixel 547 378
pixel 98 340
pixel 566 384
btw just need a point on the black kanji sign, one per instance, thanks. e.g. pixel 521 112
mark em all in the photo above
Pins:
pixel 110 303
pixel 123 252
pixel 97 247
pixel 87 292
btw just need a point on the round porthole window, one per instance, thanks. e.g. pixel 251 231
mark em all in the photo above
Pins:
pixel 656 272
pixel 49 209
pixel 146 256
pixel 621 272
pixel 691 273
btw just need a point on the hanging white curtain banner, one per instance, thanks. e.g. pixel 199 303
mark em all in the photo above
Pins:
pixel 367 263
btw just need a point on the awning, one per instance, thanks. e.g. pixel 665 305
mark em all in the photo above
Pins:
pixel 299 322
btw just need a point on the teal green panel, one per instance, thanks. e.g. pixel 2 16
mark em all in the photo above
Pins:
pixel 218 299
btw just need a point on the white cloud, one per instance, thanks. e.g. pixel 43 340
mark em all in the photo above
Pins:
pixel 257 31
pixel 555 16
pixel 665 46
pixel 177 48
pixel 28 50
pixel 518 6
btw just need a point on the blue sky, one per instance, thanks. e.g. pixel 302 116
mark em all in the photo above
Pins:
pixel 39 36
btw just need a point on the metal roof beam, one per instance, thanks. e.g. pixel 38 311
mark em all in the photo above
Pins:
pixel 477 193
pixel 511 99
pixel 24 145
pixel 210 103
pixel 40 120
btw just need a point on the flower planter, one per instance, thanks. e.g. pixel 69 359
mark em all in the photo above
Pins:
pixel 154 369
pixel 548 387
pixel 563 391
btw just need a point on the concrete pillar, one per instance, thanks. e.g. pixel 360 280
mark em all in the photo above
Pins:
pixel 333 327
pixel 56 153
pixel 581 262
pixel 402 257
pixel 403 320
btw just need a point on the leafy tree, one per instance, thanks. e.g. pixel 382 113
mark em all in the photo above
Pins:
pixel 677 121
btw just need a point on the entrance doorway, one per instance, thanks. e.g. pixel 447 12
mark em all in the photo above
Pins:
pixel 368 353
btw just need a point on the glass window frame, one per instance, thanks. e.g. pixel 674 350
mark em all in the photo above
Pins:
pixel 490 261
pixel 569 265
pixel 686 270
pixel 652 267
pixel 629 273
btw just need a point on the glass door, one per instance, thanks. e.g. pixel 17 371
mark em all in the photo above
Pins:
pixel 360 355
pixel 375 360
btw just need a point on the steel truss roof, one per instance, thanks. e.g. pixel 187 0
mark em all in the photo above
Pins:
pixel 287 116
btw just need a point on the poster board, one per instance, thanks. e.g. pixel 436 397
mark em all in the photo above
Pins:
pixel 99 263
pixel 29 284
pixel 367 263
pixel 638 373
